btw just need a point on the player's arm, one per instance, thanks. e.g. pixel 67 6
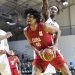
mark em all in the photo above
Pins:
pixel 25 34
pixel 50 28
pixel 45 11
pixel 8 34
pixel 55 30
pixel 56 40
pixel 57 36
pixel 19 64
pixel 18 61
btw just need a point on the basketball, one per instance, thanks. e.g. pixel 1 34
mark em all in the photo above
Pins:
pixel 47 54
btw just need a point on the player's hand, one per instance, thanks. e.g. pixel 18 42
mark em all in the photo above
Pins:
pixel 50 53
pixel 54 49
pixel 46 54
pixel 8 34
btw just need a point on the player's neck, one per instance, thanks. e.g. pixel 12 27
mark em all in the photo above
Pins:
pixel 33 27
pixel 53 18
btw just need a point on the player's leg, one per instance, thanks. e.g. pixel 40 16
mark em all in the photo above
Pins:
pixel 64 67
pixel 60 64
pixel 65 70
pixel 37 70
pixel 39 66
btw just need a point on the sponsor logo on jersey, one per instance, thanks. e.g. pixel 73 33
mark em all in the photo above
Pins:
pixel 37 39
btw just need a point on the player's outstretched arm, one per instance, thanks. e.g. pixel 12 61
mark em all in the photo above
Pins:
pixel 45 11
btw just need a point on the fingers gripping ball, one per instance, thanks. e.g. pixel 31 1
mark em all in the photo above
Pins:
pixel 47 54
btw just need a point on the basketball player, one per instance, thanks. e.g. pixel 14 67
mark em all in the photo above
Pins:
pixel 14 63
pixel 49 17
pixel 39 38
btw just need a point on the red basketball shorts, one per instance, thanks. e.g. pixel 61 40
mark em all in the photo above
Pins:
pixel 57 62
pixel 14 71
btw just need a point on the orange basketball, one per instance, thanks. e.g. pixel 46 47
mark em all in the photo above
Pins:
pixel 47 55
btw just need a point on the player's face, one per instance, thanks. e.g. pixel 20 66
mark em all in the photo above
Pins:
pixel 30 19
pixel 53 11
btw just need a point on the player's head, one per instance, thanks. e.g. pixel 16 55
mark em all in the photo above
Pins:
pixel 54 10
pixel 32 16
pixel 11 53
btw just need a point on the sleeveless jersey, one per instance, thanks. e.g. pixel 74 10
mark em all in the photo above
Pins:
pixel 12 62
pixel 39 38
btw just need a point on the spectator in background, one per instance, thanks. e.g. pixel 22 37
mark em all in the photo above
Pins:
pixel 14 62
pixel 72 68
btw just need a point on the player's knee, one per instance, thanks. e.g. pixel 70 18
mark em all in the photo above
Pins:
pixel 65 70
pixel 67 73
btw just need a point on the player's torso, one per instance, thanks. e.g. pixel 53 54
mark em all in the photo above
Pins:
pixel 39 38
pixel 12 62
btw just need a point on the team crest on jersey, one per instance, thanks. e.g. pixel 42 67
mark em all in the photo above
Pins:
pixel 40 33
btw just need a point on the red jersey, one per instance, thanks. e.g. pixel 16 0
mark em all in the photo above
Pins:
pixel 39 38
pixel 12 62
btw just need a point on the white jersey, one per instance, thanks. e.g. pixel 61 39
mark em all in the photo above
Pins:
pixel 51 22
pixel 4 65
pixel 4 43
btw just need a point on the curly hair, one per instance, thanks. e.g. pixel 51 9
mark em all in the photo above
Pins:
pixel 33 12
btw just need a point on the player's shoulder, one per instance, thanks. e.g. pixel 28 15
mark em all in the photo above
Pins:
pixel 25 29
